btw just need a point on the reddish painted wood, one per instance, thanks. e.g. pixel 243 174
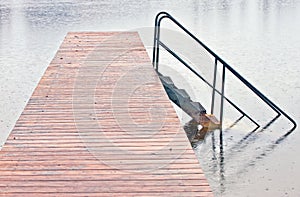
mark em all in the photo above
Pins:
pixel 99 123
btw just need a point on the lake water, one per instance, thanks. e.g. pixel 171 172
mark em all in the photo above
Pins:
pixel 259 38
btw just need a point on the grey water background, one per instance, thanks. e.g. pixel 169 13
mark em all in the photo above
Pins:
pixel 259 38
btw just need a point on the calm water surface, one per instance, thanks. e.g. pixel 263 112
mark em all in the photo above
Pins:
pixel 260 38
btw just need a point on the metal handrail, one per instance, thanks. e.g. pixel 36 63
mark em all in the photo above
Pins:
pixel 162 15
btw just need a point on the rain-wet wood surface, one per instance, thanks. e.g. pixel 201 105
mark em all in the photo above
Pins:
pixel 99 123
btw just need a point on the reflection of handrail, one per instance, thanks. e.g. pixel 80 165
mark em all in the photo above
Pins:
pixel 159 17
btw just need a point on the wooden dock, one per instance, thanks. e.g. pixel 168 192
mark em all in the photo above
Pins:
pixel 99 123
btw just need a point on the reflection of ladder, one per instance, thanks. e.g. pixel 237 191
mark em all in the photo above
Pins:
pixel 195 109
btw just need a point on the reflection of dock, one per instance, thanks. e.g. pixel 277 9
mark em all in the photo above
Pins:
pixel 99 124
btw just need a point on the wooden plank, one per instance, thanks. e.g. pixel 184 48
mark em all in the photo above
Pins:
pixel 100 124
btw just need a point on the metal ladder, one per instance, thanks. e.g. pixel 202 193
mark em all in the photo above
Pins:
pixel 195 109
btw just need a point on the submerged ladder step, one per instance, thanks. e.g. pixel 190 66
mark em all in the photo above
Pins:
pixel 182 99
pixel 166 80
pixel 181 93
pixel 199 107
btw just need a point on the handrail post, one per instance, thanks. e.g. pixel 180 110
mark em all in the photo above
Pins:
pixel 214 87
pixel 222 96
pixel 157 46
pixel 158 19
pixel 154 47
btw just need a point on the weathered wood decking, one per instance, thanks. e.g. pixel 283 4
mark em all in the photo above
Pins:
pixel 100 124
